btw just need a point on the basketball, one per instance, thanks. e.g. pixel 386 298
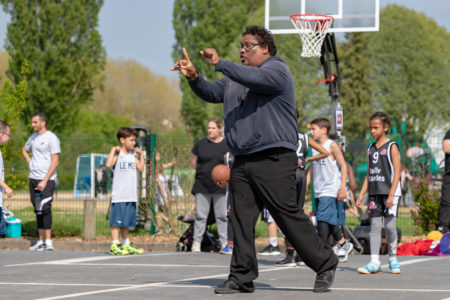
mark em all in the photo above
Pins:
pixel 220 174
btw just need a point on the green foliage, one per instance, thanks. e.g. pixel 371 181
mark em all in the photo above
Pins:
pixel 62 44
pixel 13 101
pixel 203 24
pixel 426 215
pixel 410 66
pixel 357 88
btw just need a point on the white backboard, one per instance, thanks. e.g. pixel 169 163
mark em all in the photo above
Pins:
pixel 349 15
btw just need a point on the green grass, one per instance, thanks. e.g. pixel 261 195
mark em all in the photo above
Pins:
pixel 70 223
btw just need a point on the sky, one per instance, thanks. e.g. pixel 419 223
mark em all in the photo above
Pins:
pixel 142 29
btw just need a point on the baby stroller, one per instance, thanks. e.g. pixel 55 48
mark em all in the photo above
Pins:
pixel 209 242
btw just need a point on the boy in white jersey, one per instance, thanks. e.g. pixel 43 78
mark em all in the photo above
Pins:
pixel 5 133
pixel 124 162
pixel 329 187
pixel 45 148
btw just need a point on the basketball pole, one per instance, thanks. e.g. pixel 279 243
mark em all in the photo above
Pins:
pixel 330 63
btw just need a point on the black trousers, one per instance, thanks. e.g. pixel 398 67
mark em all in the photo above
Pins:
pixel 444 207
pixel 267 179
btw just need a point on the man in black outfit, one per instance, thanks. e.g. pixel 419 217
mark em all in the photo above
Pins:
pixel 261 130
pixel 444 208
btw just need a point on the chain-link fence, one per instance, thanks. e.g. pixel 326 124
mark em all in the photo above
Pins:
pixel 81 175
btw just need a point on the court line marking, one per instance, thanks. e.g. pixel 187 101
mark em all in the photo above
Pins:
pixel 65 284
pixel 85 259
pixel 413 261
pixel 155 284
pixel 309 288
pixel 163 284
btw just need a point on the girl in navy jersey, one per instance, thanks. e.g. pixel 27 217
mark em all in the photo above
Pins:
pixel 383 183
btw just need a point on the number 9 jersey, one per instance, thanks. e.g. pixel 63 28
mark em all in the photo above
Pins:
pixel 381 169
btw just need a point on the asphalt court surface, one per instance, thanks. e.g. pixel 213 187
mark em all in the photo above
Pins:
pixel 97 275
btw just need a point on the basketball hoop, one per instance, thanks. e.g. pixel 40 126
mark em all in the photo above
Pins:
pixel 312 30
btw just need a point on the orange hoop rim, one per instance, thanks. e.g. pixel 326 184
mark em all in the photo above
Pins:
pixel 311 17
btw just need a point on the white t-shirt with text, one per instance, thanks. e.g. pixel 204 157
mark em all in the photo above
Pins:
pixel 124 186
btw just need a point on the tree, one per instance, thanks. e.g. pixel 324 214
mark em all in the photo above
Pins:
pixel 13 103
pixel 61 41
pixel 132 90
pixel 410 68
pixel 357 88
pixel 203 24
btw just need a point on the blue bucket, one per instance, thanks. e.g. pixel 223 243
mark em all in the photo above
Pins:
pixel 13 227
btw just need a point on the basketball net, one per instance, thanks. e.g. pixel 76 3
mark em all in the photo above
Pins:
pixel 312 30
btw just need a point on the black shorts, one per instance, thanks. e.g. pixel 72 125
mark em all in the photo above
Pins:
pixel 46 195
pixel 377 206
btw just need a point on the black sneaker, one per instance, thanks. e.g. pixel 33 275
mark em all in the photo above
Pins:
pixel 230 287
pixel 270 250
pixel 288 261
pixel 299 261
pixel 324 280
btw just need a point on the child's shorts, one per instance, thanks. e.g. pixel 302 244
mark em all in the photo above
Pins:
pixel 266 216
pixel 327 210
pixel 377 206
pixel 123 214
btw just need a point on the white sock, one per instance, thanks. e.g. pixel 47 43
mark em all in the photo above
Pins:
pixel 125 241
pixel 375 258
pixel 48 242
pixel 115 242
pixel 273 241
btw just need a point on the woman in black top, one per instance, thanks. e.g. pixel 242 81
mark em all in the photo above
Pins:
pixel 206 154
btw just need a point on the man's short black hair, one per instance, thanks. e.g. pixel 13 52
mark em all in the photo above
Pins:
pixel 41 116
pixel 264 37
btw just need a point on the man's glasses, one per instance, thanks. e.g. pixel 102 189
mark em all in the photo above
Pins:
pixel 247 47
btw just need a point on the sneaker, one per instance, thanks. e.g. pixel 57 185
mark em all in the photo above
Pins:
pixel 49 247
pixel 228 249
pixel 42 247
pixel 230 287
pixel 344 250
pixel 370 268
pixel 336 249
pixel 394 266
pixel 270 250
pixel 116 249
pixel 39 244
pixel 288 261
pixel 298 261
pixel 196 247
pixel 131 250
pixel 324 280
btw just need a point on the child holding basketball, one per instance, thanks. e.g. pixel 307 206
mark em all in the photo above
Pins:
pixel 124 162
pixel 383 183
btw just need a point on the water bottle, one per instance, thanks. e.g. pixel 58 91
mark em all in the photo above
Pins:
pixel 37 202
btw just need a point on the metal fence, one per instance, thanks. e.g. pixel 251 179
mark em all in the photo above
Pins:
pixel 68 204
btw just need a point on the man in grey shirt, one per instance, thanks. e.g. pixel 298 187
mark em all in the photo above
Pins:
pixel 261 130
pixel 45 148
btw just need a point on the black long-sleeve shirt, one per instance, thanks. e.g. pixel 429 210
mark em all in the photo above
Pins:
pixel 259 104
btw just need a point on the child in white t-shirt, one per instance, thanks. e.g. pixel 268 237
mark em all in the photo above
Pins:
pixel 125 165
